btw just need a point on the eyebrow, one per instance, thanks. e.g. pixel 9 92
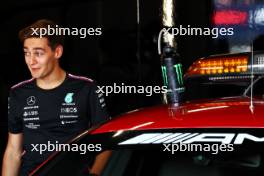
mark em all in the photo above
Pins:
pixel 37 48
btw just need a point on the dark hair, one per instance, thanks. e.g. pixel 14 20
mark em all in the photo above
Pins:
pixel 28 32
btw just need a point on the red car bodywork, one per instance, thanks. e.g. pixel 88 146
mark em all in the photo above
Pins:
pixel 218 113
pixel 232 112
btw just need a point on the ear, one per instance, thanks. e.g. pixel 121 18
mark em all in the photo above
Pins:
pixel 58 51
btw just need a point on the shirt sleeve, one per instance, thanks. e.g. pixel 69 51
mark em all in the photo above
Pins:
pixel 15 124
pixel 98 111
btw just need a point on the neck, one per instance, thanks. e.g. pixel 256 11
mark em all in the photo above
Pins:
pixel 53 80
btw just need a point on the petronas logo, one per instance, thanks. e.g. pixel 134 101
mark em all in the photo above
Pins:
pixel 68 98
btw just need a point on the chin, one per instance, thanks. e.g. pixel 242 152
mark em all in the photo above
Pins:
pixel 36 76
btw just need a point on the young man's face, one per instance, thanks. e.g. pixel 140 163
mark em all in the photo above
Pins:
pixel 40 58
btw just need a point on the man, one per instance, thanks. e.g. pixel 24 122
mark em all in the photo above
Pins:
pixel 53 106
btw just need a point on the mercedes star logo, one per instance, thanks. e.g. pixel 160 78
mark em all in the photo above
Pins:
pixel 31 100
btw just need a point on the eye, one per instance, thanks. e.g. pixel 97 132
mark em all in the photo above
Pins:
pixel 38 53
pixel 26 53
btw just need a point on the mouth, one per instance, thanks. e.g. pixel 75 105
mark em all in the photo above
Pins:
pixel 34 69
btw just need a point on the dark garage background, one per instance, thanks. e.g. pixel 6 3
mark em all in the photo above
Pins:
pixel 109 58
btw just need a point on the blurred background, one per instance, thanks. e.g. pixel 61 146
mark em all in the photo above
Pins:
pixel 126 52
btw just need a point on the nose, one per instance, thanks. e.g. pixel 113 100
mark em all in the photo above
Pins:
pixel 32 59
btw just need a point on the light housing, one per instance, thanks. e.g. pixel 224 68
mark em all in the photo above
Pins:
pixel 227 66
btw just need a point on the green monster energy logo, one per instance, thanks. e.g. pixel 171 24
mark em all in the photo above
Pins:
pixel 178 69
pixel 164 75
